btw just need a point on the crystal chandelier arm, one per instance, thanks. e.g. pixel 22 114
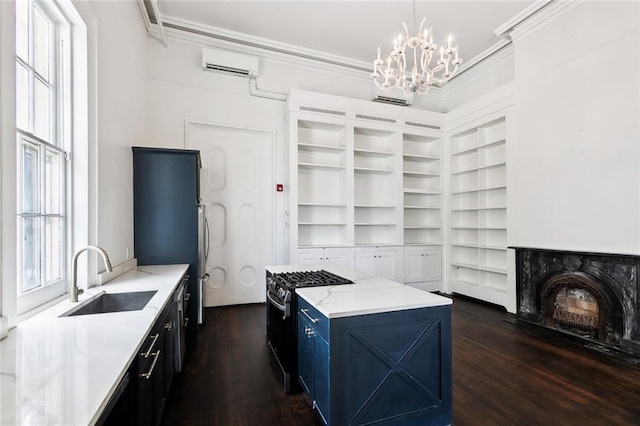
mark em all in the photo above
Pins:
pixel 419 76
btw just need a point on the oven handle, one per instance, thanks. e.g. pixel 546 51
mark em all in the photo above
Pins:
pixel 275 303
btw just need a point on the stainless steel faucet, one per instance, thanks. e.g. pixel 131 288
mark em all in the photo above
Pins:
pixel 74 291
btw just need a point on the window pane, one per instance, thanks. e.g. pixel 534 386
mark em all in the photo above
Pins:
pixel 22 30
pixel 30 178
pixel 53 249
pixel 52 181
pixel 30 253
pixel 41 43
pixel 22 97
pixel 42 110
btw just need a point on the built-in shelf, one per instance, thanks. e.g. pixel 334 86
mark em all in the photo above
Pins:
pixel 365 183
pixel 320 166
pixel 320 148
pixel 478 253
pixel 372 170
pixel 479 267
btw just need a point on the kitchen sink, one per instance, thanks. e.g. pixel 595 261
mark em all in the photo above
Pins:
pixel 113 302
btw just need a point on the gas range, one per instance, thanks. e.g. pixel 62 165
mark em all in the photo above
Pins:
pixel 282 319
pixel 293 280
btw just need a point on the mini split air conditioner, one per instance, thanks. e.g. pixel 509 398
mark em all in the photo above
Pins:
pixel 396 97
pixel 229 63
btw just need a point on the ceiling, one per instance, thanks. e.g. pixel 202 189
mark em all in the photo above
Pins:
pixel 348 29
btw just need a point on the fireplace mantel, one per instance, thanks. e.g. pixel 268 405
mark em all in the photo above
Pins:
pixel 612 278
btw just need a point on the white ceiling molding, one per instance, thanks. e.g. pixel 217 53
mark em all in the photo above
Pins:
pixel 198 39
pixel 504 29
pixel 265 44
pixel 501 53
pixel 243 43
pixel 548 12
pixel 482 56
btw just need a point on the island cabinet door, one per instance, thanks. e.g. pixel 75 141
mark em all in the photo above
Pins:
pixel 392 368
pixel 305 355
pixel 321 377
pixel 313 357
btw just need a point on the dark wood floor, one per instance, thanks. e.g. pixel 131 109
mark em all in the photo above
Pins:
pixel 503 374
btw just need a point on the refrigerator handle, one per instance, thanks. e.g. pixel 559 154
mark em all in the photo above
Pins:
pixel 208 240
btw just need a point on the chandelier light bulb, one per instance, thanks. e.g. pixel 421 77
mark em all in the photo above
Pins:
pixel 409 67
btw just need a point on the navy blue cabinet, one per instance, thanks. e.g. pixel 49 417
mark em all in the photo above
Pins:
pixel 313 357
pixel 166 185
pixel 391 368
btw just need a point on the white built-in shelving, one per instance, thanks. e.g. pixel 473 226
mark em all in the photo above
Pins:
pixel 478 211
pixel 375 170
pixel 364 177
pixel 321 170
pixel 421 189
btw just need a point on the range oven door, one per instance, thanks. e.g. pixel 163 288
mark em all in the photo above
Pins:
pixel 282 340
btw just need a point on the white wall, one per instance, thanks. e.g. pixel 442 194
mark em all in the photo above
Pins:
pixel 577 148
pixel 179 91
pixel 121 118
pixel 482 79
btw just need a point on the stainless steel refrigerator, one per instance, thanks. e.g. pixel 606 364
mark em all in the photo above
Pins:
pixel 170 224
pixel 204 243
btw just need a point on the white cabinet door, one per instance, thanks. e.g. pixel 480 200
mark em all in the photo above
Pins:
pixel 310 257
pixel 380 262
pixel 422 264
pixel 414 265
pixel 388 264
pixel 343 257
pixel 432 264
pixel 334 256
pixel 366 261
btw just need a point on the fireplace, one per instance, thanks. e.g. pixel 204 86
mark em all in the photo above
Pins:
pixel 589 295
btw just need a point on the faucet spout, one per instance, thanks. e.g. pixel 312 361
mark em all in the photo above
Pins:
pixel 74 291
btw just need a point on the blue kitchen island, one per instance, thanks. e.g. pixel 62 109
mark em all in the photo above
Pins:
pixel 375 352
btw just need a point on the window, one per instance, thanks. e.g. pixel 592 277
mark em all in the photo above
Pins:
pixel 43 143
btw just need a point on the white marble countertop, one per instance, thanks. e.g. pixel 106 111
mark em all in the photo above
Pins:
pixel 369 295
pixel 63 370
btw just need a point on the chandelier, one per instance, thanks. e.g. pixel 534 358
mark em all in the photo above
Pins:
pixel 408 67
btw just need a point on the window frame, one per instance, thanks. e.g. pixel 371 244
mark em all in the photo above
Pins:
pixel 60 126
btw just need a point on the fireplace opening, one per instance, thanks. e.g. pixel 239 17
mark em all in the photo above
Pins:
pixel 575 310
pixel 578 303
pixel 593 296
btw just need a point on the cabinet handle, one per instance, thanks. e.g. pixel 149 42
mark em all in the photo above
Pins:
pixel 306 313
pixel 147 375
pixel 148 352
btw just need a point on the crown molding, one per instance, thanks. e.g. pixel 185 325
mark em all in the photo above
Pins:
pixel 196 33
pixel 504 29
pixel 265 44
pixel 502 51
pixel 546 14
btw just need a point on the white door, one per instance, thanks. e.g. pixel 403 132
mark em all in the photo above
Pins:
pixel 236 184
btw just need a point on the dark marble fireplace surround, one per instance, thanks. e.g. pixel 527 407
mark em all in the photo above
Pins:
pixel 611 280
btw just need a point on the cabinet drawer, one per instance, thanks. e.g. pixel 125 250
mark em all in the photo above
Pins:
pixel 319 322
